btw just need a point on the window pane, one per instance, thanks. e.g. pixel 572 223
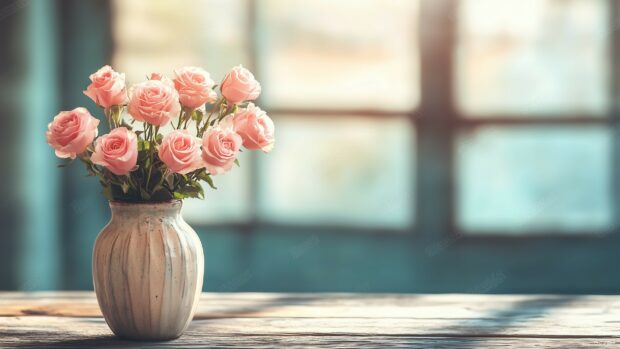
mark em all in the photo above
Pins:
pixel 347 170
pixel 533 56
pixel 522 179
pixel 339 54
pixel 230 202
pixel 162 35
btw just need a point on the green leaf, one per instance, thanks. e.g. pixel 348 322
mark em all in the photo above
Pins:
pixel 144 145
pixel 193 190
pixel 170 180
pixel 183 179
pixel 144 194
pixel 161 194
pixel 207 178
pixel 125 187
pixel 237 162
pixel 199 190
pixel 197 115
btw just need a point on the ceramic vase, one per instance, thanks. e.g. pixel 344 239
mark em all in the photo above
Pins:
pixel 148 269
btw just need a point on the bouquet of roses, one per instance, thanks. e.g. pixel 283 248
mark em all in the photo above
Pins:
pixel 166 136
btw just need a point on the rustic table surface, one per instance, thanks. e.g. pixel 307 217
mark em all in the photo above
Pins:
pixel 257 320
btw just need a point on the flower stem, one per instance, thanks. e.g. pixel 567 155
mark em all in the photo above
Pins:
pixel 217 106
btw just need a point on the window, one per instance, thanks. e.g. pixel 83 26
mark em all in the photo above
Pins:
pixel 342 96
pixel 523 179
pixel 356 172
pixel 316 54
pixel 486 125
pixel 532 57
pixel 533 63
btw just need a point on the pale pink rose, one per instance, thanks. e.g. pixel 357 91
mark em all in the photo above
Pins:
pixel 107 87
pixel 255 127
pixel 155 76
pixel 117 151
pixel 154 101
pixel 219 149
pixel 239 85
pixel 195 87
pixel 180 151
pixel 162 78
pixel 71 132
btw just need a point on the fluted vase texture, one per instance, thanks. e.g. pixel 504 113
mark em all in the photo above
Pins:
pixel 148 269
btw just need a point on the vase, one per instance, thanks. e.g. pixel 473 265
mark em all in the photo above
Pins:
pixel 148 269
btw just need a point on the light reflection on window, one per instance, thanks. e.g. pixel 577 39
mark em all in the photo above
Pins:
pixel 526 57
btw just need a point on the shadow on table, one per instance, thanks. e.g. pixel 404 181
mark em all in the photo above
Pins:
pixel 474 331
pixel 32 339
pixel 102 341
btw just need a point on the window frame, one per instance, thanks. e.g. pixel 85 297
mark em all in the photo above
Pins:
pixel 437 121
pixel 458 121
pixel 432 258
pixel 254 222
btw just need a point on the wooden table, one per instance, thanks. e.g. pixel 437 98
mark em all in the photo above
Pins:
pixel 257 320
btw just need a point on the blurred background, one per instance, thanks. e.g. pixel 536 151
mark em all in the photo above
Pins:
pixel 422 146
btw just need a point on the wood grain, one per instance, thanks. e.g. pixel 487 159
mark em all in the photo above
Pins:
pixel 148 270
pixel 258 320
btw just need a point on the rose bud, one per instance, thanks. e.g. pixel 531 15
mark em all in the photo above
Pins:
pixel 180 151
pixel 255 127
pixel 107 87
pixel 154 101
pixel 219 149
pixel 71 132
pixel 195 87
pixel 239 85
pixel 117 151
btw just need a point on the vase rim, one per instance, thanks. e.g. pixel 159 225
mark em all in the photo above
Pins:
pixel 167 203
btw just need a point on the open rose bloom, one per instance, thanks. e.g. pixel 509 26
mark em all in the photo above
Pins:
pixel 107 87
pixel 137 162
pixel 72 132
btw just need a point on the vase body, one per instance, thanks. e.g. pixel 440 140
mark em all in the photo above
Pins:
pixel 148 269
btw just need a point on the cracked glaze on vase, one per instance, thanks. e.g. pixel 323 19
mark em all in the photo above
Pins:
pixel 148 269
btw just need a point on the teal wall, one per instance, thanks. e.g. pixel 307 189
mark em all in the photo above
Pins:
pixel 296 261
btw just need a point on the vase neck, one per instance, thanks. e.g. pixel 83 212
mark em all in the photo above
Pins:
pixel 164 209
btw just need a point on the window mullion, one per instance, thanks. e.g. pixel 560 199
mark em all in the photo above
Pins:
pixel 436 119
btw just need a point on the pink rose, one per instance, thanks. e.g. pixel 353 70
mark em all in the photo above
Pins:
pixel 155 76
pixel 239 85
pixel 195 87
pixel 162 78
pixel 219 149
pixel 155 102
pixel 71 132
pixel 107 87
pixel 180 151
pixel 255 127
pixel 117 151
